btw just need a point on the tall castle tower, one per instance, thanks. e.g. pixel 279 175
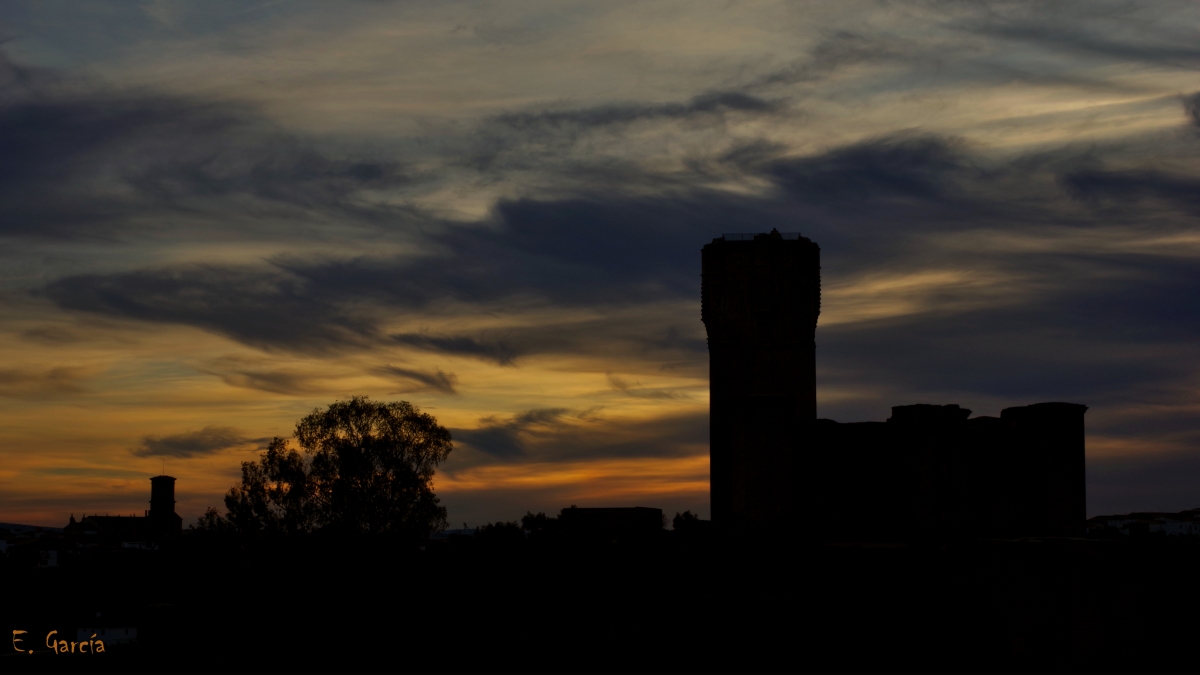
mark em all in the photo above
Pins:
pixel 760 298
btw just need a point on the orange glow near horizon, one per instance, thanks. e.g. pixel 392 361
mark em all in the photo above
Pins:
pixel 589 482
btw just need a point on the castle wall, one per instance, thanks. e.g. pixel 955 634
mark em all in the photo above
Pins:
pixel 928 472
pixel 1048 440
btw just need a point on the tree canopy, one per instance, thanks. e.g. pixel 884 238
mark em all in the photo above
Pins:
pixel 367 468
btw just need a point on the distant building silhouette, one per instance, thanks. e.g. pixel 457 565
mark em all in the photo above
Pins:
pixel 158 523
pixel 1147 523
pixel 161 516
pixel 30 545
pixel 929 471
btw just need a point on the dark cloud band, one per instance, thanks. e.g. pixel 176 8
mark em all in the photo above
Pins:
pixel 206 441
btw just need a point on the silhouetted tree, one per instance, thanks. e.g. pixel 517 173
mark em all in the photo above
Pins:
pixel 373 466
pixel 541 527
pixel 212 523
pixel 278 494
pixel 367 468
pixel 688 525
pixel 681 521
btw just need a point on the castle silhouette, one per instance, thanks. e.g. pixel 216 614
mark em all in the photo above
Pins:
pixel 929 471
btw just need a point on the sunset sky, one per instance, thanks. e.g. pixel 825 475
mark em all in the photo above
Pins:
pixel 217 216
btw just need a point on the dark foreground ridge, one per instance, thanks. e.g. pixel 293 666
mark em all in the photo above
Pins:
pixel 678 598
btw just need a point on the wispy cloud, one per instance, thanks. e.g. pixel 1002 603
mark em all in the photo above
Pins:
pixel 188 444
pixel 419 380
pixel 56 381
pixel 552 434
pixel 499 350
pixel 507 438
pixel 636 389
pixel 1191 107
pixel 713 103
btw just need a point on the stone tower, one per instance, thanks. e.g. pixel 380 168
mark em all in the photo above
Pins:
pixel 162 516
pixel 760 298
